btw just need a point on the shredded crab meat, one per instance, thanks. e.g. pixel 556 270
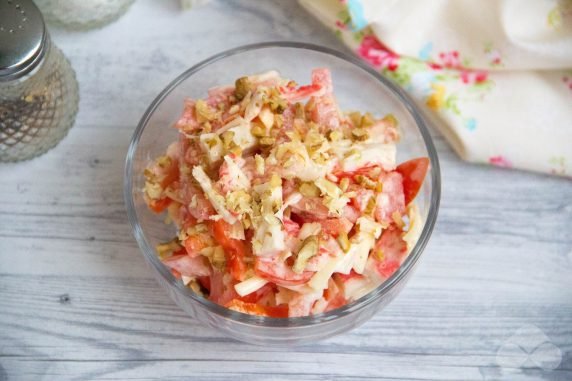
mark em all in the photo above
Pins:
pixel 284 204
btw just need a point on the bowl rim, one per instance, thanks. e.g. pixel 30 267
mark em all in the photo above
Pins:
pixel 311 320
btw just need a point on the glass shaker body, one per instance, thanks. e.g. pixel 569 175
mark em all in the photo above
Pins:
pixel 38 109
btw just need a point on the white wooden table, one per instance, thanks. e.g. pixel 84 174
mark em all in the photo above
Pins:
pixel 77 301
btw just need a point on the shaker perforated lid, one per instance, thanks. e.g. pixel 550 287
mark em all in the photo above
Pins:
pixel 23 38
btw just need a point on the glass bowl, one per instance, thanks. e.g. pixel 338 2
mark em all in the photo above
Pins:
pixel 357 87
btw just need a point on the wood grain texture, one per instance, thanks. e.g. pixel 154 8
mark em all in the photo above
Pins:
pixel 78 303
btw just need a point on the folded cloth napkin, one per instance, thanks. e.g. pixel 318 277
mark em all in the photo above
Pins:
pixel 496 75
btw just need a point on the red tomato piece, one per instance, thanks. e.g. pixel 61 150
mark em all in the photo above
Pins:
pixel 205 281
pixel 337 302
pixel 255 296
pixel 279 311
pixel 413 172
pixel 181 251
pixel 235 250
pixel 159 206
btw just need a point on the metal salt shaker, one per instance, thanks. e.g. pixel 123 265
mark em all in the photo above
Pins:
pixel 38 89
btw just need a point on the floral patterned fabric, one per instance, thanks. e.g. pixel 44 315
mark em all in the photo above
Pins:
pixel 496 76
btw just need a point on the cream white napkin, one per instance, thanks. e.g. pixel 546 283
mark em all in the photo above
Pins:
pixel 496 75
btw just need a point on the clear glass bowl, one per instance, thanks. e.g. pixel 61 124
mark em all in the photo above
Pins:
pixel 357 87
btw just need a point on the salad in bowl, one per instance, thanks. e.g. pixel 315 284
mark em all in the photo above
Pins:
pixel 282 204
